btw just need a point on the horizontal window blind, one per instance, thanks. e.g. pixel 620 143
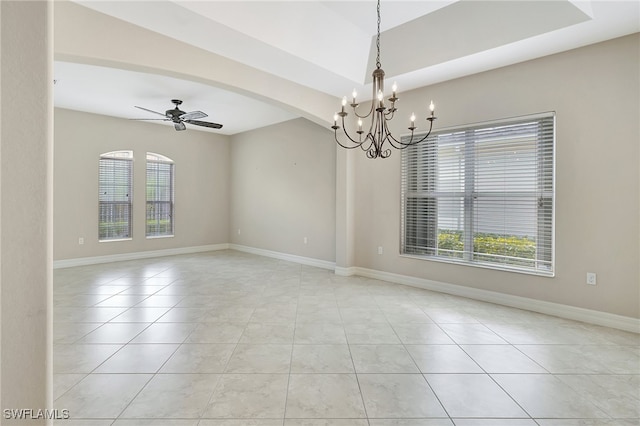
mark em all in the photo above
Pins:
pixel 115 186
pixel 160 193
pixel 483 195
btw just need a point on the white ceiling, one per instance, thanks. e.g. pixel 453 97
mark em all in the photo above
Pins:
pixel 330 46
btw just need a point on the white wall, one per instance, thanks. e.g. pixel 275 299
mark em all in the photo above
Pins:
pixel 201 183
pixel 595 92
pixel 283 189
pixel 25 206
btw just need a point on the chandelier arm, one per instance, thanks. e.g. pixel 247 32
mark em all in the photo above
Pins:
pixel 356 143
pixel 389 137
pixel 367 114
pixel 371 141
pixel 412 142
pixel 403 145
pixel 345 146
pixel 384 136
pixel 389 114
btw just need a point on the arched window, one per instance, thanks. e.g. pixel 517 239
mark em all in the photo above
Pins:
pixel 160 184
pixel 115 195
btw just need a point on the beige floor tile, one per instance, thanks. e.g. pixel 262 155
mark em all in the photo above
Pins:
pixel 217 332
pixel 472 334
pixel 260 359
pixel 502 359
pixel 324 396
pixel 102 395
pixel 239 338
pixel 398 396
pixel 321 359
pixel 114 333
pixel 138 358
pixel 442 359
pixel 382 359
pixel 140 314
pixel 199 358
pixel 267 333
pixel 552 398
pixel 249 396
pixel 180 396
pixel 326 333
pixel 374 333
pixel 421 334
pixel 473 395
pixel 80 358
pixel 165 333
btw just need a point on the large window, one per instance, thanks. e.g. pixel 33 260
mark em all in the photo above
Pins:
pixel 159 195
pixel 115 184
pixel 483 195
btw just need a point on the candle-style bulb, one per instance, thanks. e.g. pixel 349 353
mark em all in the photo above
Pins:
pixel 335 118
pixel 394 87
pixel 359 124
pixel 432 107
pixel 354 93
pixel 344 100
pixel 412 118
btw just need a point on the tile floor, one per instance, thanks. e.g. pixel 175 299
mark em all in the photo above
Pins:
pixel 228 338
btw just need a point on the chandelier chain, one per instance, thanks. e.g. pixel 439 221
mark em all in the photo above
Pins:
pixel 378 64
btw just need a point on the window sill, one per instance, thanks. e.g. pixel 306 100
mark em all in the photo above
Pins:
pixel 155 237
pixel 483 265
pixel 115 240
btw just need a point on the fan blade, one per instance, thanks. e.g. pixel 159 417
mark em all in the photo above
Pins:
pixel 193 115
pixel 150 119
pixel 180 126
pixel 204 124
pixel 149 110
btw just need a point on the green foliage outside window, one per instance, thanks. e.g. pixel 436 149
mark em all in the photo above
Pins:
pixel 510 246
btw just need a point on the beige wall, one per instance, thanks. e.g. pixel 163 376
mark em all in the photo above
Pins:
pixel 201 179
pixel 595 92
pixel 283 189
pixel 278 184
pixel 25 206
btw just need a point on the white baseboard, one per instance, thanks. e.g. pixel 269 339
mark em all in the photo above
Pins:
pixel 82 261
pixel 346 272
pixel 324 264
pixel 556 309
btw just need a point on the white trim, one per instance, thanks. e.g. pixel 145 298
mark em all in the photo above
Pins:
pixel 68 263
pixel 556 309
pixel 345 271
pixel 324 264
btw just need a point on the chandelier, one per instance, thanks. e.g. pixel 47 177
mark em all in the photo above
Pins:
pixel 378 134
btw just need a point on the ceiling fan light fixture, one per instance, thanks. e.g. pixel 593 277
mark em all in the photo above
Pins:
pixel 179 117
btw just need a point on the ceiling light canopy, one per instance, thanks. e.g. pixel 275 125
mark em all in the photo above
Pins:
pixel 378 138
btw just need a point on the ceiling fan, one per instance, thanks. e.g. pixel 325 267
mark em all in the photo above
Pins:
pixel 179 117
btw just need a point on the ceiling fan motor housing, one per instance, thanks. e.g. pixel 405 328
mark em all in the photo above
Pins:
pixel 174 114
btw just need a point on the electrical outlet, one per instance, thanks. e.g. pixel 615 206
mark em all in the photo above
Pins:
pixel 591 278
pixel 81 240
pixel 380 250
